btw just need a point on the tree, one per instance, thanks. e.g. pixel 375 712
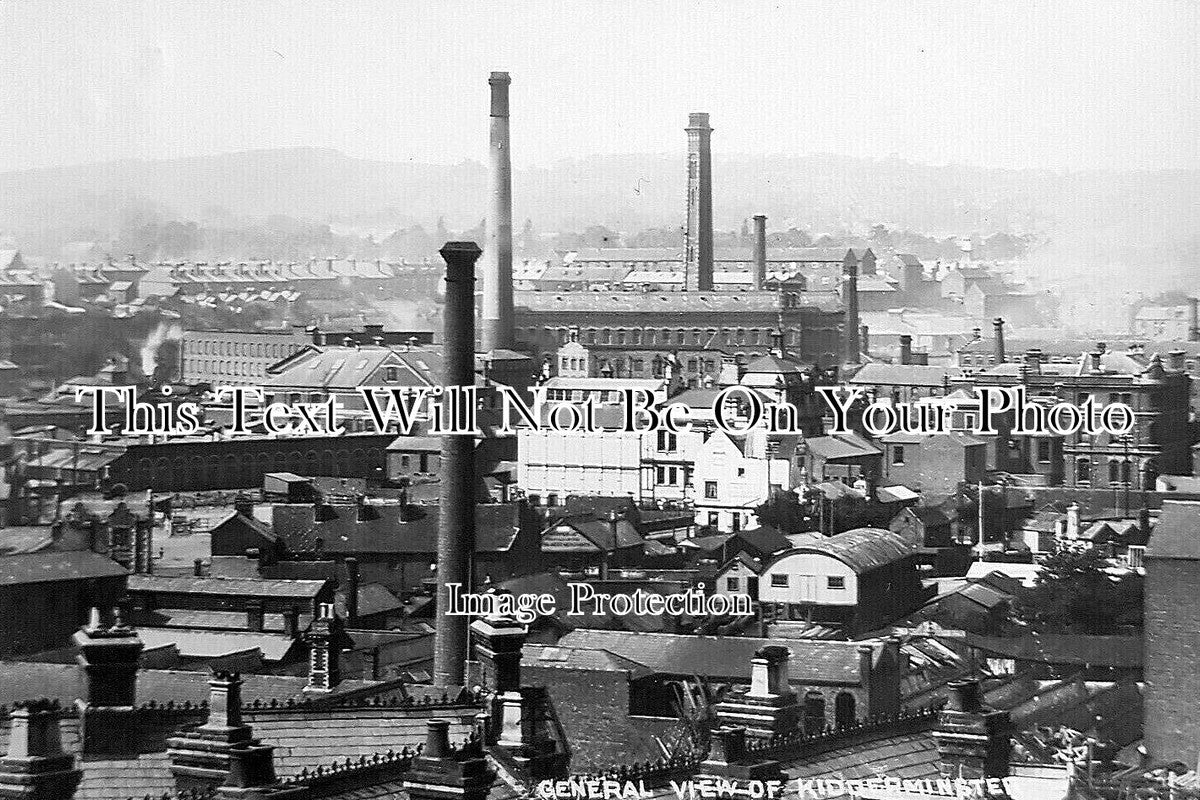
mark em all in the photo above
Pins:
pixel 1075 594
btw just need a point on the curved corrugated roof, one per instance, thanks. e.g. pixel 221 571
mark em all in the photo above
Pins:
pixel 861 549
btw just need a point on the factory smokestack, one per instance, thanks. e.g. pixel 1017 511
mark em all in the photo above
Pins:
pixel 698 247
pixel 497 264
pixel 998 339
pixel 456 520
pixel 760 251
pixel 1193 319
pixel 850 298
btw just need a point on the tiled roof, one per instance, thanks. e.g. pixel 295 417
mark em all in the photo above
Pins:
pixel 816 662
pixel 43 567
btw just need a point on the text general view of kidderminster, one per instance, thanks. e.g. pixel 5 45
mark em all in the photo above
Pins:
pixel 587 400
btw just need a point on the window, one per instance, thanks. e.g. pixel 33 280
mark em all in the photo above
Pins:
pixel 836 582
pixel 898 454
pixel 1083 471
pixel 714 519
pixel 1043 451
pixel 732 584
pixel 710 490
pixel 779 581
pixel 666 442
pixel 741 472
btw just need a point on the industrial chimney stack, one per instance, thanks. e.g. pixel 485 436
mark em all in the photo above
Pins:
pixel 497 264
pixel 998 339
pixel 850 299
pixel 698 247
pixel 760 251
pixel 456 520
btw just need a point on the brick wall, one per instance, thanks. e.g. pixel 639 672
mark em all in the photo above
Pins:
pixel 1172 651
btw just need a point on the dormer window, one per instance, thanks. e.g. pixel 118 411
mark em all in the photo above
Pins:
pixel 391 374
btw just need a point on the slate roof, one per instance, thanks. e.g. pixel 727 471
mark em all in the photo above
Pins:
pixel 302 742
pixel 215 644
pixel 23 680
pixel 496 527
pixel 905 375
pixel 580 658
pixel 774 365
pixel 816 662
pixel 1177 532
pixel 43 567
pixel 765 539
pixel 669 303
pixel 248 587
pixel 841 446
pixel 1122 652
pixel 907 756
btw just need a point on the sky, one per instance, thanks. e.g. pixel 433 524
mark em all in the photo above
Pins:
pixel 1061 85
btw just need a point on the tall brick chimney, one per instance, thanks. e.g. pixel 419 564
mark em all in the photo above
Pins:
pixel 456 522
pixel 906 354
pixel 998 339
pixel 760 251
pixel 850 299
pixel 698 245
pixel 497 263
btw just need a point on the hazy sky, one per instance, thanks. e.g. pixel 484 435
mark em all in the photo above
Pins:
pixel 1061 84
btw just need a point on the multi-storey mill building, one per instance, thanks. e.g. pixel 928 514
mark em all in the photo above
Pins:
pixel 634 331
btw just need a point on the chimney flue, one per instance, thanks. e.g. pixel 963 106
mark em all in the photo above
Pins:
pixel 456 522
pixel 998 336
pixel 906 355
pixel 497 269
pixel 698 245
pixel 760 251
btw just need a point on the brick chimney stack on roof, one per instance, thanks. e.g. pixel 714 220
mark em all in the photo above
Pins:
pixel 36 767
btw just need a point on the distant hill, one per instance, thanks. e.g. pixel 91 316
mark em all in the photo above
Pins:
pixel 817 193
